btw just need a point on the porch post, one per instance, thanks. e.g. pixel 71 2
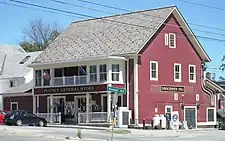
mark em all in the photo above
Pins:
pixel 34 105
pixel 37 110
pixel 51 108
pixel 109 107
pixel 136 97
pixel 87 107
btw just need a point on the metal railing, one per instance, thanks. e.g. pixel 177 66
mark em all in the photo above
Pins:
pixel 69 80
pixel 94 117
pixel 56 117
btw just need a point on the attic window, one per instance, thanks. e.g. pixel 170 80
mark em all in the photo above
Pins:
pixel 172 40
pixel 25 59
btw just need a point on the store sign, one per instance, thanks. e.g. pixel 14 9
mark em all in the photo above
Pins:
pixel 172 88
pixel 72 89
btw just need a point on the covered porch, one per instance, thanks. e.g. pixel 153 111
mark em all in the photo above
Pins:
pixel 77 107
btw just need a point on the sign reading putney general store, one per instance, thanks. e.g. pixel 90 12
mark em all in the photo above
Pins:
pixel 73 89
pixel 172 88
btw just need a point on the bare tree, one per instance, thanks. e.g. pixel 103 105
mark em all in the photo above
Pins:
pixel 39 34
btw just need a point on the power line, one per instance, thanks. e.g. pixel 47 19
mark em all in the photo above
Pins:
pixel 203 5
pixel 94 9
pixel 126 10
pixel 104 19
pixel 21 6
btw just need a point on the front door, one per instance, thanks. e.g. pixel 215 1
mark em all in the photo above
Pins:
pixel 190 117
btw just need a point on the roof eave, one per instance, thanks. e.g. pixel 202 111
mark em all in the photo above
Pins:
pixel 214 85
pixel 112 57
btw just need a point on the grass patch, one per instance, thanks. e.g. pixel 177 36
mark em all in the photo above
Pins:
pixel 118 131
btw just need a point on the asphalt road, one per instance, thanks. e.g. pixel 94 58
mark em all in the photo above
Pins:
pixel 135 135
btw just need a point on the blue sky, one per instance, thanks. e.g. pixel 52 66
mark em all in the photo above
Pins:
pixel 14 19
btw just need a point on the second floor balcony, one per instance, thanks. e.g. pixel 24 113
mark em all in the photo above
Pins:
pixel 79 75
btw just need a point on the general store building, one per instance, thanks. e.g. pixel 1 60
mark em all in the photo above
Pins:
pixel 158 61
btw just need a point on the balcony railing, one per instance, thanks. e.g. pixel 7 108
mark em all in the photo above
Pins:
pixel 70 80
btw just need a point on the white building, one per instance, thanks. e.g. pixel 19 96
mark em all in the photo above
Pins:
pixel 14 71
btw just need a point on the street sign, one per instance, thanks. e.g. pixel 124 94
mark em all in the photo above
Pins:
pixel 117 90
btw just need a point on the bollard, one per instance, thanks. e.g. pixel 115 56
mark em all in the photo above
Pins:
pixel 160 124
pixel 143 123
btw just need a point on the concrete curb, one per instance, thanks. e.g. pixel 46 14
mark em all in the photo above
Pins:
pixel 52 136
pixel 77 127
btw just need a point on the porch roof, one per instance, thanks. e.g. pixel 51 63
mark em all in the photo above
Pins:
pixel 21 89
pixel 209 83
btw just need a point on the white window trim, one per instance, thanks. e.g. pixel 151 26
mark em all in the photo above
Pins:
pixel 174 72
pixel 213 114
pixel 157 70
pixel 175 96
pixel 99 80
pixel 189 73
pixel 91 73
pixel 119 73
pixel 197 97
pixel 14 103
pixel 166 39
pixel 168 106
pixel 174 40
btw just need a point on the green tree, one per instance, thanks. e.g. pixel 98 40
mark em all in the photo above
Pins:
pixel 38 35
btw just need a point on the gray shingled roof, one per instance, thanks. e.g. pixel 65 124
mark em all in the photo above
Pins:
pixel 99 37
pixel 20 89
pixel 13 68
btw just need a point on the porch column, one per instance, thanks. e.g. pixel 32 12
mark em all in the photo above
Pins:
pixel 87 107
pixel 34 105
pixel 37 110
pixel 109 107
pixel 51 108
pixel 136 97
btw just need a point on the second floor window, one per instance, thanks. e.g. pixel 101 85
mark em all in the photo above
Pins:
pixel 115 72
pixel 153 70
pixel 103 73
pixel 38 78
pixel 192 73
pixel 177 72
pixel 93 73
pixel 12 83
pixel 46 77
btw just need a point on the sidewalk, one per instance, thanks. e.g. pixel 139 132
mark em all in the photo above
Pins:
pixel 77 126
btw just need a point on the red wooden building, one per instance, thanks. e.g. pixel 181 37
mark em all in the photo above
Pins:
pixel 153 54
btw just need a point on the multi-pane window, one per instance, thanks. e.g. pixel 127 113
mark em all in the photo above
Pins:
pixel 103 72
pixel 172 40
pixel 177 72
pixel 93 74
pixel 153 70
pixel 192 73
pixel 38 78
pixel 210 115
pixel 115 72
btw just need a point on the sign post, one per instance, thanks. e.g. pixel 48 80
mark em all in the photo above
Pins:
pixel 116 91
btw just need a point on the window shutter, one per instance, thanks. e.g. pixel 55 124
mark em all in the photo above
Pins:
pixel 166 39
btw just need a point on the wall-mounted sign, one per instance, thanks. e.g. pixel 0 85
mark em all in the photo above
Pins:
pixel 172 88
pixel 71 89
